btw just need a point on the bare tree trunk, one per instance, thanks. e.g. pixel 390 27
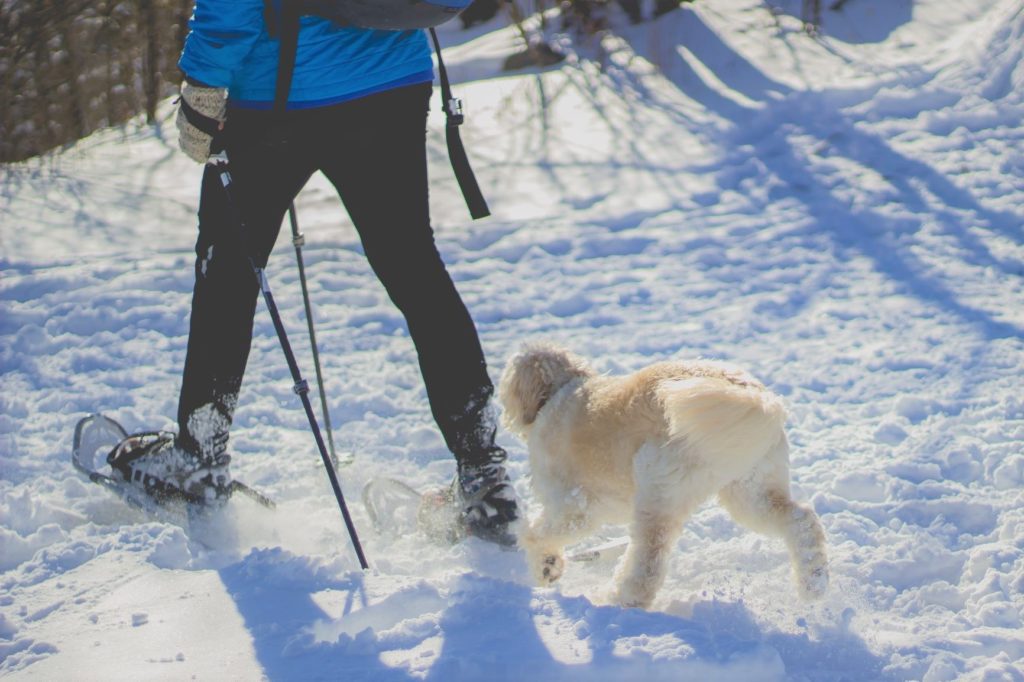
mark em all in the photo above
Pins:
pixel 150 58
pixel 40 89
pixel 184 14
pixel 8 61
pixel 537 51
pixel 68 71
pixel 103 44
pixel 70 66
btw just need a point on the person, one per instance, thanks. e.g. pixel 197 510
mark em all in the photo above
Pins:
pixel 357 112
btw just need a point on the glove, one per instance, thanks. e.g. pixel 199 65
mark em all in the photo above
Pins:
pixel 195 132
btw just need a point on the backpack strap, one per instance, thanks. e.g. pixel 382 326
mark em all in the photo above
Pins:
pixel 454 117
pixel 270 18
pixel 287 29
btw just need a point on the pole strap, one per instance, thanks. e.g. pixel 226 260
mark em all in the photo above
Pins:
pixel 204 123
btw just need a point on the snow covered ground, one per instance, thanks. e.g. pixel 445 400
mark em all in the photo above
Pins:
pixel 841 215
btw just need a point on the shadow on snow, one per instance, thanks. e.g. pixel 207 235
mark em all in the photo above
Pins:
pixel 766 127
pixel 492 629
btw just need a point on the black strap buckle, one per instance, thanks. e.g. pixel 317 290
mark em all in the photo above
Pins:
pixel 453 110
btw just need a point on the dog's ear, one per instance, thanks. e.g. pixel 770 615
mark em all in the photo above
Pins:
pixel 522 391
pixel 531 378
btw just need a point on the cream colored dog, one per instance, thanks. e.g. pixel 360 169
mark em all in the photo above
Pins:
pixel 649 448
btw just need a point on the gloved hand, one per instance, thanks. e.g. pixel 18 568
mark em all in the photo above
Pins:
pixel 195 133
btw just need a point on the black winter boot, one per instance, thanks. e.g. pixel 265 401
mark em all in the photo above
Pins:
pixel 486 499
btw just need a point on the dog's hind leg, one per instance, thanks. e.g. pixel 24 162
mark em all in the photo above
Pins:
pixel 761 501
pixel 669 488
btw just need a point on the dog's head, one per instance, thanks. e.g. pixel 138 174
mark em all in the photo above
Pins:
pixel 531 377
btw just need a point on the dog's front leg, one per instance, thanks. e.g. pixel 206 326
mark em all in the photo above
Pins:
pixel 546 538
pixel 643 567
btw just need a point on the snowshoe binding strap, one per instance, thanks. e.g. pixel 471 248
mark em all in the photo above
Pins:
pixel 123 460
pixel 486 503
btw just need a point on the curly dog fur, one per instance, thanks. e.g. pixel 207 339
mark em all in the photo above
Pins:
pixel 649 448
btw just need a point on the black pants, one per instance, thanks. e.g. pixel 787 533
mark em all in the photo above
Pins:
pixel 373 150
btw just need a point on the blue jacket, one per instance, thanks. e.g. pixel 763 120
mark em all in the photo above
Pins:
pixel 229 47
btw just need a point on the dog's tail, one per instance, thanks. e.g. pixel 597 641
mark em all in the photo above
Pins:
pixel 722 419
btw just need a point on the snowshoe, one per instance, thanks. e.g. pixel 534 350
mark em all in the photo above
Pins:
pixel 396 508
pixel 147 486
pixel 446 515
pixel 439 516
pixel 592 553
pixel 93 434
pixel 167 473
pixel 479 502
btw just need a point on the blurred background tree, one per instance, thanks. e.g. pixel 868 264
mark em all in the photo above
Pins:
pixel 68 67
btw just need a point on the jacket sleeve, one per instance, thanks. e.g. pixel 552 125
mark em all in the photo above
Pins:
pixel 222 33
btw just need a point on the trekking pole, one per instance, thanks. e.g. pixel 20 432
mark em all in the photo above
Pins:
pixel 219 161
pixel 298 241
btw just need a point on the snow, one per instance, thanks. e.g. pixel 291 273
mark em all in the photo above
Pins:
pixel 840 215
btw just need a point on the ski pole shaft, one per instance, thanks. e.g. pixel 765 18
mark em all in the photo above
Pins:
pixel 302 390
pixel 220 163
pixel 298 241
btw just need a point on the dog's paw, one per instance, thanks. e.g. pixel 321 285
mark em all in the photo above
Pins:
pixel 602 596
pixel 814 581
pixel 551 568
pixel 628 596
pixel 811 573
pixel 809 555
